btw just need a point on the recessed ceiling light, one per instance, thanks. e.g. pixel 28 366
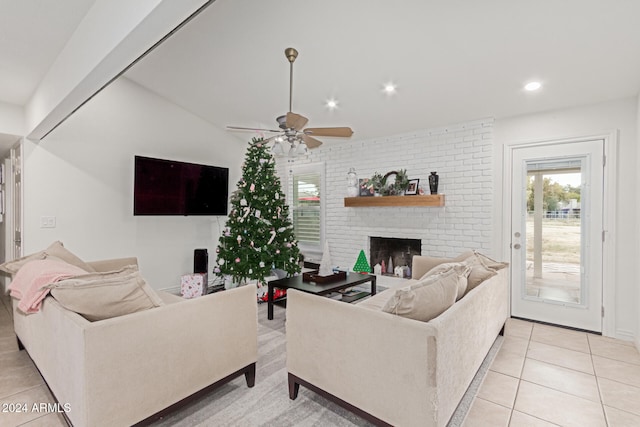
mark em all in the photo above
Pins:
pixel 390 88
pixel 332 104
pixel 532 86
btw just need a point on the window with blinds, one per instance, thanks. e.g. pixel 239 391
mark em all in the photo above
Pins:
pixel 306 208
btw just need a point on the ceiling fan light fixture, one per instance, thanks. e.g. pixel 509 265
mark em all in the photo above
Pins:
pixel 302 148
pixel 332 104
pixel 277 148
pixel 292 151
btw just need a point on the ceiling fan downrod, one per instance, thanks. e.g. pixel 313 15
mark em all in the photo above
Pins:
pixel 291 55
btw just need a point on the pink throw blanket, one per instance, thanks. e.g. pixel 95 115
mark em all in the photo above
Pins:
pixel 29 283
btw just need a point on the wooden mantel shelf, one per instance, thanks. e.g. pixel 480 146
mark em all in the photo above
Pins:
pixel 434 200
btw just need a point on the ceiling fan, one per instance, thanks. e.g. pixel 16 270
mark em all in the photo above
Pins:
pixel 292 125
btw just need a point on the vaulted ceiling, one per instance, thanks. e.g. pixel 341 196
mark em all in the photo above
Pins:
pixel 451 60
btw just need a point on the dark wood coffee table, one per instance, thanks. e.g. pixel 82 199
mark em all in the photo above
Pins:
pixel 296 282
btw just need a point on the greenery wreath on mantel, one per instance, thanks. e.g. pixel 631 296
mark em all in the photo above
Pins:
pixel 396 187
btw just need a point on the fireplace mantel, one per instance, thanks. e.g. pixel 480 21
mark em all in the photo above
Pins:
pixel 433 200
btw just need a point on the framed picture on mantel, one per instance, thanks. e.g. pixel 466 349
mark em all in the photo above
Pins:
pixel 412 189
pixel 365 187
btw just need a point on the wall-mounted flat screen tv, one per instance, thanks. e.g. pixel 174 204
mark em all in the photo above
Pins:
pixel 168 187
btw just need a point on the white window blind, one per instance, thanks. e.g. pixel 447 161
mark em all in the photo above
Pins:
pixel 306 195
pixel 306 207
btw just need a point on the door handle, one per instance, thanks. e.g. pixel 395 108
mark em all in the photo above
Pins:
pixel 516 246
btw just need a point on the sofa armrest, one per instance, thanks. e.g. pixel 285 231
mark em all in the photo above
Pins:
pixel 141 363
pixel 360 356
pixel 112 264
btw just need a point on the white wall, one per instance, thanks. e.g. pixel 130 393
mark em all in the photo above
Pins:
pixel 112 35
pixel 82 174
pixel 12 120
pixel 462 156
pixel 620 115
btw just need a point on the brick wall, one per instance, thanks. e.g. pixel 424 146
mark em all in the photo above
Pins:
pixel 462 156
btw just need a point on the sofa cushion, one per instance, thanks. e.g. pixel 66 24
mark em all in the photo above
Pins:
pixel 55 250
pixel 462 269
pixel 423 264
pixel 480 266
pixel 98 296
pixel 29 284
pixel 427 298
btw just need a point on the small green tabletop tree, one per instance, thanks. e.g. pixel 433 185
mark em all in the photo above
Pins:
pixel 362 265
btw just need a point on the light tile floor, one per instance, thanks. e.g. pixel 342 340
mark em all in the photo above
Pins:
pixel 542 376
pixel 549 376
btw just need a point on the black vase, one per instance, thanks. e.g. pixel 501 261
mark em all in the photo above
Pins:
pixel 433 182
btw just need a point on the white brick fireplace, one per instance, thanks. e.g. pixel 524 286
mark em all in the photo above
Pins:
pixel 462 156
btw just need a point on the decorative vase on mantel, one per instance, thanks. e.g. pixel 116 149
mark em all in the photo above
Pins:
pixel 433 182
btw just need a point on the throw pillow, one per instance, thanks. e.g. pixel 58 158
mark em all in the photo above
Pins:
pixel 56 250
pixel 482 267
pixel 426 299
pixel 462 269
pixel 496 265
pixel 98 296
pixel 479 272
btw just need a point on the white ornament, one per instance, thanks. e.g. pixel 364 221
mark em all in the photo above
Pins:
pixel 221 261
pixel 261 264
pixel 243 202
pixel 257 213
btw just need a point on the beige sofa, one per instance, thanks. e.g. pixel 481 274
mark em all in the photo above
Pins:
pixel 390 369
pixel 119 371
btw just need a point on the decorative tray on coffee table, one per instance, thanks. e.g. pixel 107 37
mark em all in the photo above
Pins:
pixel 313 276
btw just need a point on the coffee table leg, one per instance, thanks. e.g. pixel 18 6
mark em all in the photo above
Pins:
pixel 373 285
pixel 269 302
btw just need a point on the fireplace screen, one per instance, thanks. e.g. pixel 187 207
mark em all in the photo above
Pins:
pixel 393 256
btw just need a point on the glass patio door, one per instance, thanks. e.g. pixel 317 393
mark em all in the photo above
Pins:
pixel 556 242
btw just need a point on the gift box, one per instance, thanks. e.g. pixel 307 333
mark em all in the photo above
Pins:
pixel 193 285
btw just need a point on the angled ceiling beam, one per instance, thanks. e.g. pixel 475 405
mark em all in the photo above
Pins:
pixel 113 36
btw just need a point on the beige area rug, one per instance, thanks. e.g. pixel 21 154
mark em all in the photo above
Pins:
pixel 268 404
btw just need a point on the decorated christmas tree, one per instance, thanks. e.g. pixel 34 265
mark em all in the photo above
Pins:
pixel 258 236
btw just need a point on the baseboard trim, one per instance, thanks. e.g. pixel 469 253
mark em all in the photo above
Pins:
pixel 625 335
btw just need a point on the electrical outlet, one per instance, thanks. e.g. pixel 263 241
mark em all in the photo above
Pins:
pixel 47 222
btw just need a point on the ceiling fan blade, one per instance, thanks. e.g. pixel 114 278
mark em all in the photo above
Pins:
pixel 296 121
pixel 311 142
pixel 340 132
pixel 253 129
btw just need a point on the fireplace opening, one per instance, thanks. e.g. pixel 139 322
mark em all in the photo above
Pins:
pixel 393 256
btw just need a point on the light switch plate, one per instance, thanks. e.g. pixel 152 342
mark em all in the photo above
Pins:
pixel 47 222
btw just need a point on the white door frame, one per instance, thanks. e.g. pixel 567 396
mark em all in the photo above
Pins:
pixel 609 214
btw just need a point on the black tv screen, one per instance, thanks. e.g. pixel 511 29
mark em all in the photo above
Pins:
pixel 167 187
